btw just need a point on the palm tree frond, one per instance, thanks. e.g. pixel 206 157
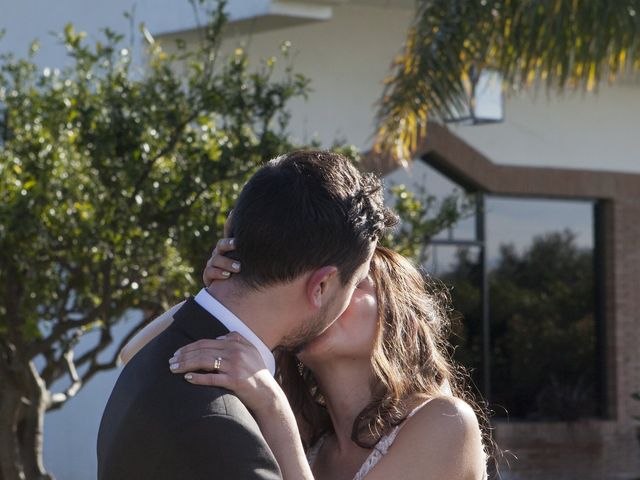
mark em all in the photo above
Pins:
pixel 560 44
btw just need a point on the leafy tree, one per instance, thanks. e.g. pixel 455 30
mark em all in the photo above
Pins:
pixel 565 45
pixel 464 280
pixel 423 216
pixel 114 183
pixel 543 335
pixel 544 328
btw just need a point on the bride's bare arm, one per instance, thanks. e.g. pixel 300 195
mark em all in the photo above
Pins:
pixel 148 333
pixel 278 425
pixel 243 371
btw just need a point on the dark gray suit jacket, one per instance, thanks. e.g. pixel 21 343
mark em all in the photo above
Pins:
pixel 157 426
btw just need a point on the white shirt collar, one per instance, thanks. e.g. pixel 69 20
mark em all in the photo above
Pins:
pixel 234 324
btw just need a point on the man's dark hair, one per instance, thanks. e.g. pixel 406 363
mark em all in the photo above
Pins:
pixel 305 210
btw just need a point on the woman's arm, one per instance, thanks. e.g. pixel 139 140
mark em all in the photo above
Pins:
pixel 278 425
pixel 148 333
pixel 442 440
pixel 242 371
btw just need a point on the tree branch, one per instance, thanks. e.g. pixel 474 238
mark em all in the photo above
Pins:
pixel 41 346
pixel 64 326
pixel 176 212
pixel 179 130
pixel 78 381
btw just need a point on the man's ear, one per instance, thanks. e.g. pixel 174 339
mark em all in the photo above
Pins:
pixel 318 285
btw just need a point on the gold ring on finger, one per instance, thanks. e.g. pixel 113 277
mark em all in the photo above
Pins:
pixel 217 363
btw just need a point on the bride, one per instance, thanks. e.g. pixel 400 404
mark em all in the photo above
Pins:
pixel 376 395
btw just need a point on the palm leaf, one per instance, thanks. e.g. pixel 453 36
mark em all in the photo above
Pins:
pixel 561 44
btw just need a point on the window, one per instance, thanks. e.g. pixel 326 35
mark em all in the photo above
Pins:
pixel 522 278
pixel 540 256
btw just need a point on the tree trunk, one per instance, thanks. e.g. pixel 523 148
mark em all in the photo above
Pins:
pixel 21 421
pixel 10 463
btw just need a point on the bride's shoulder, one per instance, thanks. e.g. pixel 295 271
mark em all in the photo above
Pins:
pixel 445 417
pixel 441 437
pixel 447 405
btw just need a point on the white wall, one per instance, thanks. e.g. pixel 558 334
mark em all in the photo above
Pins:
pixel 598 131
pixel 348 57
pixel 28 20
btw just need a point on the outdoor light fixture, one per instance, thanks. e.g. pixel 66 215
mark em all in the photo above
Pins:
pixel 485 101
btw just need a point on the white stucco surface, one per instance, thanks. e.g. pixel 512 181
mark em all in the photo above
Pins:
pixel 348 58
pixel 596 131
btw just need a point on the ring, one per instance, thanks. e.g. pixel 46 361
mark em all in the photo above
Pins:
pixel 217 363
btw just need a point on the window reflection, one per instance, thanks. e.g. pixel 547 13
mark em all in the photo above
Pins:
pixel 543 334
pixel 425 180
pixel 532 350
pixel 459 268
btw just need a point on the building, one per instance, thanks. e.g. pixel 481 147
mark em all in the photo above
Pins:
pixel 555 163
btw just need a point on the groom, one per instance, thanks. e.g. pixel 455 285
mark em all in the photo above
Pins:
pixel 305 226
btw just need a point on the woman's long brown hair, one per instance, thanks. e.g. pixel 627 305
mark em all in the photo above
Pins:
pixel 411 358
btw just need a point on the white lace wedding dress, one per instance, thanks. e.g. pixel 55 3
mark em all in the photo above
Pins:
pixel 379 451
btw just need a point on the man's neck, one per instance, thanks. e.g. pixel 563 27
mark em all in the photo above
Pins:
pixel 259 310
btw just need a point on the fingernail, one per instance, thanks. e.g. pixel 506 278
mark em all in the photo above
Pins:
pixel 221 337
pixel 225 274
pixel 188 376
pixel 235 265
pixel 172 359
pixel 232 241
pixel 174 366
